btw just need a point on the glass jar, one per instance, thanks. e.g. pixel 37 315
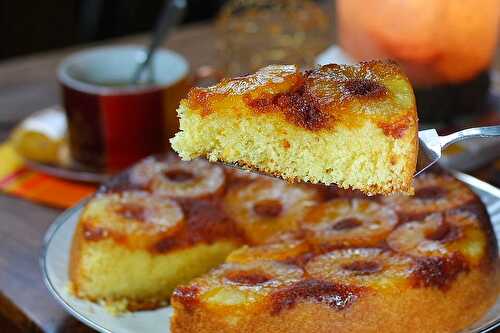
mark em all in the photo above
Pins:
pixel 256 33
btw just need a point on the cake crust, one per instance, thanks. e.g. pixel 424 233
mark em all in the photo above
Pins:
pixel 419 311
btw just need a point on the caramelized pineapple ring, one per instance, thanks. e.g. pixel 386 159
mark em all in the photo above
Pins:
pixel 240 174
pixel 131 216
pixel 267 206
pixel 440 235
pixel 433 193
pixel 367 267
pixel 289 251
pixel 344 222
pixel 193 179
pixel 171 177
pixel 141 174
pixel 239 284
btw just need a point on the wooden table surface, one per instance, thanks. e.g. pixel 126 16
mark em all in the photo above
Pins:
pixel 26 85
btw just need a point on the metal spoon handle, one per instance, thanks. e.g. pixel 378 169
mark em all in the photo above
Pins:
pixel 171 14
pixel 469 133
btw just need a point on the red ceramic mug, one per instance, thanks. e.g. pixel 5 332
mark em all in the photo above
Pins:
pixel 113 124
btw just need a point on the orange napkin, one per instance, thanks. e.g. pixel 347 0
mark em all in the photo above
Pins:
pixel 17 180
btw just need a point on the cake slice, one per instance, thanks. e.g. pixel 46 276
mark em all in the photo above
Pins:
pixel 354 126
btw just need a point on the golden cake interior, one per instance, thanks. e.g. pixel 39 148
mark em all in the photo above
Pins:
pixel 248 253
pixel 354 126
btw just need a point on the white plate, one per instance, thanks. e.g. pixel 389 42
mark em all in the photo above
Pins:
pixel 54 262
pixel 55 258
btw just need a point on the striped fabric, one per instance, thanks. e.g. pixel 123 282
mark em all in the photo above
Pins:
pixel 17 180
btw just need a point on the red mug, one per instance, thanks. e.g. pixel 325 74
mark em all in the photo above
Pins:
pixel 112 124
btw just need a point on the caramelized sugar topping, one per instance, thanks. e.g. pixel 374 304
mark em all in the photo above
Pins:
pixel 444 233
pixel 335 295
pixel 437 233
pixel 206 221
pixel 365 88
pixel 268 208
pixel 438 272
pixel 317 98
pixel 132 211
pixel 187 296
pixel 347 223
pixel 268 81
pixel 363 267
pixel 430 193
pixel 335 85
pixel 303 109
pixel 301 260
pixel 249 278
pixel 299 107
pixel 179 175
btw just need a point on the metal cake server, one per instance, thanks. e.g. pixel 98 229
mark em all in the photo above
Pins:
pixel 431 144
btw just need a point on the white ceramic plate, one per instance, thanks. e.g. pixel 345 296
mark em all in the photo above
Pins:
pixel 55 257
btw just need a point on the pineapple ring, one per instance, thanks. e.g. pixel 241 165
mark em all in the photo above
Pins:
pixel 437 235
pixel 193 179
pixel 368 267
pixel 141 174
pixel 268 206
pixel 245 283
pixel 134 214
pixel 344 222
pixel 283 251
pixel 433 193
pixel 240 174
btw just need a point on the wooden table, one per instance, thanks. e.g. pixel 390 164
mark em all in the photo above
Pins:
pixel 26 85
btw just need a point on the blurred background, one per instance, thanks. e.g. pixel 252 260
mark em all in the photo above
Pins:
pixel 33 26
pixel 447 48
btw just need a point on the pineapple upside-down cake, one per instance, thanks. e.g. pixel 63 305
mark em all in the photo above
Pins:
pixel 239 252
pixel 353 126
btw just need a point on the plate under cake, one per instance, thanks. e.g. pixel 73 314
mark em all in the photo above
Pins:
pixel 354 126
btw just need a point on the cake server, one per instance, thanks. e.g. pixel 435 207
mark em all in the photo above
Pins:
pixel 431 144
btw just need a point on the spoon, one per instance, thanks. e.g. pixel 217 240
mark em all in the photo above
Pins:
pixel 171 15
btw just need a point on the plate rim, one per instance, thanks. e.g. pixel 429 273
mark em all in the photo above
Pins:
pixel 51 231
pixel 65 215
